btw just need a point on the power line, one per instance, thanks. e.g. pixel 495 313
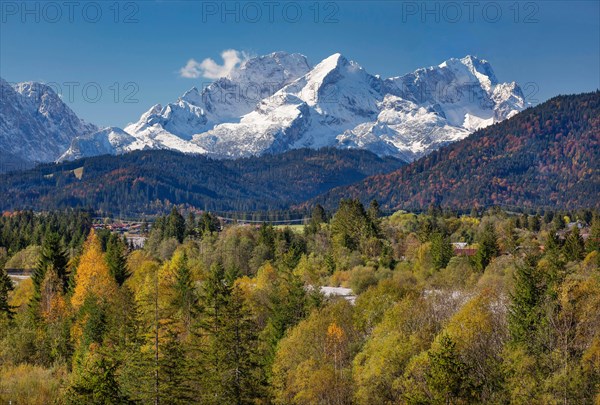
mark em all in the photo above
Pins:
pixel 262 221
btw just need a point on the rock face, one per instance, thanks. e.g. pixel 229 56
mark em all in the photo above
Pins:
pixel 275 103
pixel 35 124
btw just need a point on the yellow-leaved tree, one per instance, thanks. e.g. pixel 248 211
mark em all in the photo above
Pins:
pixel 93 275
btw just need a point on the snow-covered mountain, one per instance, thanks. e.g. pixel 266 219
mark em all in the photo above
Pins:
pixel 35 124
pixel 434 106
pixel 335 103
pixel 274 103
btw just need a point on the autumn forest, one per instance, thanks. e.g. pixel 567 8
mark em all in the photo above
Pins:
pixel 350 308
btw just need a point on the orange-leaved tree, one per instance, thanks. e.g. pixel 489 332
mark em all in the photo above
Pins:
pixel 93 275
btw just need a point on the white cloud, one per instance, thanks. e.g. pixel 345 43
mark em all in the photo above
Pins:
pixel 210 69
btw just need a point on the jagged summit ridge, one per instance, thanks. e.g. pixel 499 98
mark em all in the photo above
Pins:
pixel 337 103
pixel 277 102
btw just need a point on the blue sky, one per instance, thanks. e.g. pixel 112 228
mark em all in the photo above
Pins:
pixel 133 50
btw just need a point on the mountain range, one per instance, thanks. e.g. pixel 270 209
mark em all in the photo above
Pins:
pixel 547 156
pixel 273 104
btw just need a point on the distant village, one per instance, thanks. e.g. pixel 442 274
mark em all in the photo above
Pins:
pixel 133 231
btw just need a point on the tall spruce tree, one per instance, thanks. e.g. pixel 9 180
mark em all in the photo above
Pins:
pixel 374 212
pixel 175 226
pixel 185 298
pixel 441 250
pixel 351 224
pixel 239 372
pixel 524 308
pixel 6 286
pixel 593 241
pixel 448 374
pixel 116 260
pixel 488 247
pixel 53 256
pixel 318 217
pixel 555 260
pixel 574 248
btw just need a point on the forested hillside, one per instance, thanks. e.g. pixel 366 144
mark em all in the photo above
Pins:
pixel 546 156
pixel 442 309
pixel 151 181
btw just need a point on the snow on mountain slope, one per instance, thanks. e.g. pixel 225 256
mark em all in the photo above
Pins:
pixel 35 124
pixel 225 100
pixel 309 112
pixel 277 102
pixel 435 106
pixel 109 140
pixel 403 129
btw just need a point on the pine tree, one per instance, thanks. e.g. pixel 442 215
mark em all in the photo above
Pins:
pixel 96 383
pixel 288 304
pixel 116 260
pixel 6 286
pixel 216 295
pixel 523 315
pixel 488 247
pixel 185 297
pixel 548 217
pixel 208 223
pixel 239 336
pixel 351 224
pixel 448 375
pixel 175 226
pixel 373 211
pixel 441 250
pixel 173 372
pixel 318 214
pixel 574 247
pixel 525 221
pixel 535 223
pixel 559 221
pixel 593 241
pixel 52 256
pixel 190 225
pixel 232 372
pixel 553 256
pixel 318 217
